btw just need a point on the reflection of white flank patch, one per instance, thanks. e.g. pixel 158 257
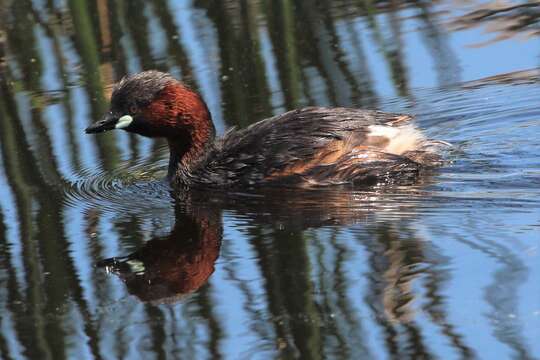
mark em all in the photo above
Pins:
pixel 124 122
pixel 136 266
pixel 400 139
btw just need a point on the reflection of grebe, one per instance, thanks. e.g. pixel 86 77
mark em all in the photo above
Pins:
pixel 167 267
pixel 170 266
pixel 305 147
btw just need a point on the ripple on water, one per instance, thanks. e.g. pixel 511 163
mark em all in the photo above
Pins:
pixel 133 188
pixel 495 132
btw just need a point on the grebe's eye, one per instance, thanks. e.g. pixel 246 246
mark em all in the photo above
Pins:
pixel 133 109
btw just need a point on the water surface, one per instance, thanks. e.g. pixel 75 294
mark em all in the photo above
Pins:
pixel 100 259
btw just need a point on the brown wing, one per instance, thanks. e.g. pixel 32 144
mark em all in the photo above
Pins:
pixel 363 165
pixel 303 141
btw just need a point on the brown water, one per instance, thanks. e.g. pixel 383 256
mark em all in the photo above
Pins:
pixel 100 259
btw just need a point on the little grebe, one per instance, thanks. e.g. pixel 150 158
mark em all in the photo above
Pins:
pixel 304 147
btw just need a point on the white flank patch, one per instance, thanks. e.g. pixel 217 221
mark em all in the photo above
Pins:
pixel 401 139
pixel 123 122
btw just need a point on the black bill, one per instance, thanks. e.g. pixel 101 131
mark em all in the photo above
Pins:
pixel 107 123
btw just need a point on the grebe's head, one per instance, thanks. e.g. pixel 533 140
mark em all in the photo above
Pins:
pixel 153 104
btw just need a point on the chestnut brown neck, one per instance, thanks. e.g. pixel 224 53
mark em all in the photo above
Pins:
pixel 188 151
pixel 183 118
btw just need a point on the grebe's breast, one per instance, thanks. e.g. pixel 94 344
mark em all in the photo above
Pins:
pixel 323 146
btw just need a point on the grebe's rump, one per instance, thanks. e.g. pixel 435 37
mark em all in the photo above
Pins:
pixel 306 147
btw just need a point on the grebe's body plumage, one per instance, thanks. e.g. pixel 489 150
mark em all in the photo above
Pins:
pixel 305 147
pixel 312 146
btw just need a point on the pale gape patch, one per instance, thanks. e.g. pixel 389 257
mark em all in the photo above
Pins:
pixel 400 138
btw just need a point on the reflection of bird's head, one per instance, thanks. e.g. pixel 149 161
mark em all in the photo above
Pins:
pixel 166 268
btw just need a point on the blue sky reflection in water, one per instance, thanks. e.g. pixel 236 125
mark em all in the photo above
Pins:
pixel 446 268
